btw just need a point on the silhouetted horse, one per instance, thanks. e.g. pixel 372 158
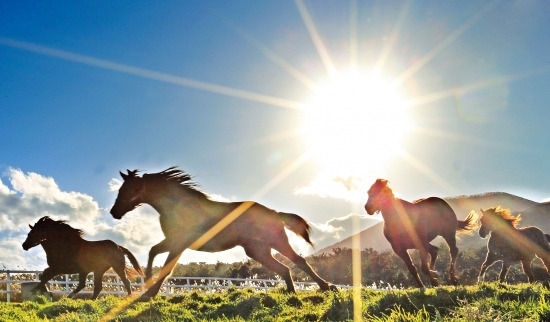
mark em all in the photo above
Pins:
pixel 413 225
pixel 510 244
pixel 68 253
pixel 189 219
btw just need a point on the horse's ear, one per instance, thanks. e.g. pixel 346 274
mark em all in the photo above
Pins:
pixel 31 226
pixel 124 176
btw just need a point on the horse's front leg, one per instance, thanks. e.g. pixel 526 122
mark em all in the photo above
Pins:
pixel 81 284
pixel 489 260
pixel 159 248
pixel 425 266
pixel 171 261
pixel 47 275
pixel 504 271
pixel 404 255
pixel 98 283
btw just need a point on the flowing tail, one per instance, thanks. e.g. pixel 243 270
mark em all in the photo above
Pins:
pixel 133 260
pixel 469 224
pixel 297 224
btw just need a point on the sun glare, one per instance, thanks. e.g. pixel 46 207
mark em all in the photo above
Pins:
pixel 354 123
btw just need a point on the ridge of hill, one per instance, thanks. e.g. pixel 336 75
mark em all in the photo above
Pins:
pixel 533 214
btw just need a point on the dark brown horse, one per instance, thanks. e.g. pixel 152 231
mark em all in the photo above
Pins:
pixel 68 253
pixel 510 244
pixel 189 219
pixel 413 225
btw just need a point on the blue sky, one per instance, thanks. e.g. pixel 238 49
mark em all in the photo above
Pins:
pixel 219 89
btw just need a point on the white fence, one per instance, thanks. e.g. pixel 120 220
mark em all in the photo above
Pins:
pixel 11 280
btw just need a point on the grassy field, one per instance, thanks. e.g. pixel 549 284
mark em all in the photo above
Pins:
pixel 485 302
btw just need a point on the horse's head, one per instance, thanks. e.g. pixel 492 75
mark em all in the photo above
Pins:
pixel 379 193
pixel 130 194
pixel 485 222
pixel 497 219
pixel 38 233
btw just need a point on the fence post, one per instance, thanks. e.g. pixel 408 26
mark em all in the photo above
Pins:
pixel 67 289
pixel 8 288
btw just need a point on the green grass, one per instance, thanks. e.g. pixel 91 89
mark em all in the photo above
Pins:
pixel 485 302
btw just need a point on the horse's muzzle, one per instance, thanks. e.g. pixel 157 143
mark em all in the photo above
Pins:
pixel 369 209
pixel 116 214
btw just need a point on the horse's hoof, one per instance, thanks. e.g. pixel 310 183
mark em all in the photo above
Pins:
pixel 144 298
pixel 333 288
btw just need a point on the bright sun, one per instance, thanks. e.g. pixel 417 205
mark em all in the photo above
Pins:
pixel 354 123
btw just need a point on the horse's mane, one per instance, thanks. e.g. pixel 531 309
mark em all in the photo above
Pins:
pixel 383 185
pixel 175 176
pixel 504 214
pixel 58 226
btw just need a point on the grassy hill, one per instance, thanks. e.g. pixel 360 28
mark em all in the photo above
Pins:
pixel 485 302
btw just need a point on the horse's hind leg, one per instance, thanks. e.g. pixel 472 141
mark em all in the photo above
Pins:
pixel 526 264
pixel 433 255
pixel 284 248
pixel 121 271
pixel 453 250
pixel 262 254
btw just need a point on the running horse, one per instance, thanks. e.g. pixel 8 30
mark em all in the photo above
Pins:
pixel 510 244
pixel 413 225
pixel 68 253
pixel 190 219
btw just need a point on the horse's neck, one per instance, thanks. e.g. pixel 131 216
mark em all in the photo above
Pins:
pixel 503 228
pixel 179 202
pixel 394 210
pixel 59 244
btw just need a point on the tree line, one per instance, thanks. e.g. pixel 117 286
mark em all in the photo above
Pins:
pixel 380 269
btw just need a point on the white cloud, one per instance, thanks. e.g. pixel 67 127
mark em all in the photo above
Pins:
pixel 336 229
pixel 350 188
pixel 33 196
pixel 114 184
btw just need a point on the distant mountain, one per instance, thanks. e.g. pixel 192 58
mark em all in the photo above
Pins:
pixel 533 214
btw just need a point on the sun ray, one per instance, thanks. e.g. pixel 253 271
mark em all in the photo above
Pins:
pixel 315 37
pixel 427 171
pixel 353 48
pixel 289 169
pixel 268 53
pixel 393 38
pixel 355 237
pixel 150 74
pixel 456 91
pixel 446 42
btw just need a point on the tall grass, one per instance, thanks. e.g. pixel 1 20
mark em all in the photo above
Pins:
pixel 485 302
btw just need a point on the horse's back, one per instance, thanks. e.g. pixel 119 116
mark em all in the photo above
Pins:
pixel 434 208
pixel 100 253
